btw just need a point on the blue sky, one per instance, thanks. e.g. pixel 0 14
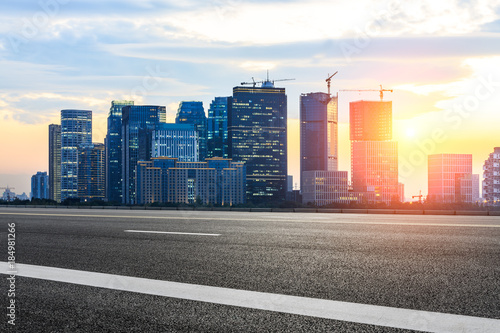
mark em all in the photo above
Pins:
pixel 57 54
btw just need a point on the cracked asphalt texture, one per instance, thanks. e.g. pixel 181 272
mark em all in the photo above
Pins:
pixel 343 257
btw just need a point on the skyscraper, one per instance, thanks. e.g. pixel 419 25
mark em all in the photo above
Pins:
pixel 374 158
pixel 193 113
pixel 318 132
pixel 113 144
pixel 450 178
pixel 175 140
pixel 40 185
pixel 55 162
pixel 91 172
pixel 138 123
pixel 76 130
pixel 257 130
pixel 491 178
pixel 217 134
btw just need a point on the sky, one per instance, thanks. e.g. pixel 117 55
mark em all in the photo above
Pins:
pixel 441 58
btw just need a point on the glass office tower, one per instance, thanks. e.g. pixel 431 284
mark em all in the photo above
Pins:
pixel 91 172
pixel 217 135
pixel 114 151
pixel 55 162
pixel 193 113
pixel 40 186
pixel 76 130
pixel 257 130
pixel 449 178
pixel 318 133
pixel 138 123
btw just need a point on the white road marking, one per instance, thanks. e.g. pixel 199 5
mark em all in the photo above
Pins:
pixel 172 233
pixel 353 312
pixel 274 220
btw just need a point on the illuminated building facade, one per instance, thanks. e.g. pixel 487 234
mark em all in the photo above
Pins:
pixel 193 113
pixel 217 133
pixel 257 128
pixel 113 144
pixel 92 172
pixel 450 178
pixel 325 187
pixel 138 123
pixel 76 130
pixel 55 162
pixel 491 178
pixel 374 158
pixel 175 140
pixel 318 133
pixel 148 183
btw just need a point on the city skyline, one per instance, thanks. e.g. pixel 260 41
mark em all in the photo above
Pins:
pixel 443 67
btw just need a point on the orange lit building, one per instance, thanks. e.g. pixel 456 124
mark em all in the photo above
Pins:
pixel 450 178
pixel 374 158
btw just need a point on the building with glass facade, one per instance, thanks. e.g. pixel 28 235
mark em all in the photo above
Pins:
pixel 325 187
pixel 149 183
pixel 138 123
pixel 193 113
pixel 113 144
pixel 55 162
pixel 491 178
pixel 175 140
pixel 318 132
pixel 40 186
pixel 76 130
pixel 92 172
pixel 374 158
pixel 217 134
pixel 257 130
pixel 449 178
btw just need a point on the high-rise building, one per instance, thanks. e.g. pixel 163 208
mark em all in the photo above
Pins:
pixel 217 134
pixel 138 123
pixel 113 144
pixel 476 195
pixel 325 187
pixel 450 178
pixel 175 140
pixel 92 172
pixel 491 178
pixel 318 132
pixel 214 181
pixel 40 185
pixel 193 113
pixel 55 162
pixel 76 130
pixel 374 158
pixel 257 129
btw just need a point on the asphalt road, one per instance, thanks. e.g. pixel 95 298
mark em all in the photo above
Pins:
pixel 444 264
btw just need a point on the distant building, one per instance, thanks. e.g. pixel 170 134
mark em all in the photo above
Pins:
pixel 138 123
pixel 113 144
pixel 8 195
pixel 92 172
pixel 491 178
pixel 40 185
pixel 217 130
pixel 374 158
pixel 401 192
pixel 289 183
pixel 318 133
pixel 175 140
pixel 214 181
pixel 193 113
pixel 450 178
pixel 325 187
pixel 55 162
pixel 257 129
pixel 76 130
pixel 476 195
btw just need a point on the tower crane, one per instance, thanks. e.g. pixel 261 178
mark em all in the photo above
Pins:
pixel 329 80
pixel 254 83
pixel 419 196
pixel 381 90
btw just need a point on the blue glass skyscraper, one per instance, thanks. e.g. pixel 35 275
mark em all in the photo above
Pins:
pixel 113 144
pixel 91 172
pixel 217 135
pixel 257 127
pixel 138 123
pixel 40 186
pixel 193 113
pixel 76 130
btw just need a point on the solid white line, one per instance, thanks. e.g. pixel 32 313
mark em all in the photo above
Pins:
pixel 274 220
pixel 344 311
pixel 172 233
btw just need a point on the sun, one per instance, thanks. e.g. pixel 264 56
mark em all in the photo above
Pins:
pixel 410 132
